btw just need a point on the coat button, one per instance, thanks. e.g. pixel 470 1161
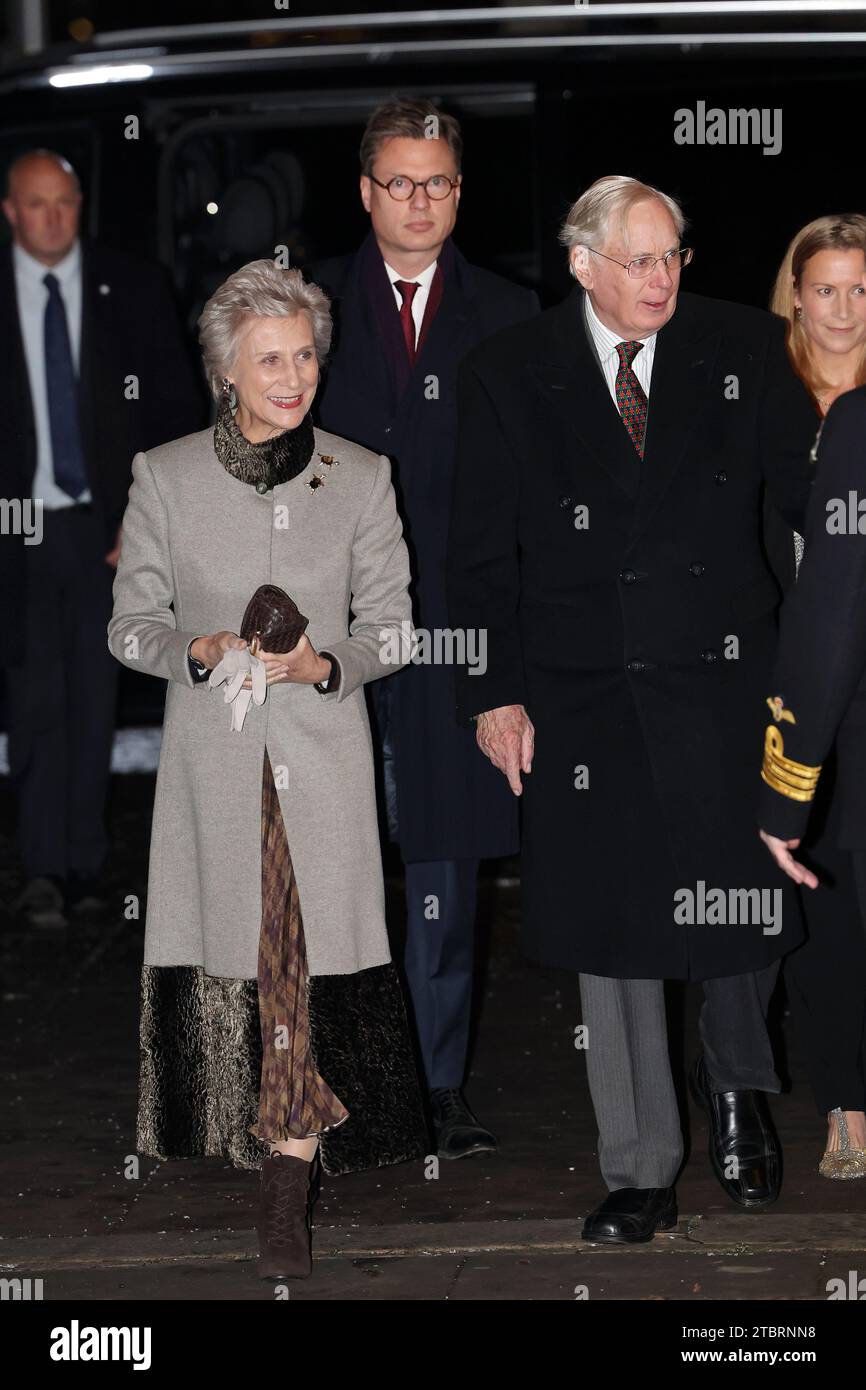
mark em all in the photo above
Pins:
pixel 565 503
pixel 387 429
pixel 627 576
pixel 721 476
pixel 696 569
pixel 261 487
pixel 709 656
pixel 635 666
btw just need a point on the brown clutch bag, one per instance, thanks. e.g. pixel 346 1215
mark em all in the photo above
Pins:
pixel 272 621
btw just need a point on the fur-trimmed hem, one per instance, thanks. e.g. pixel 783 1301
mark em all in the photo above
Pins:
pixel 201 1057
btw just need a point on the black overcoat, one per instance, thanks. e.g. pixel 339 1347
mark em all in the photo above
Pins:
pixel 450 802
pixel 129 328
pixel 820 673
pixel 631 608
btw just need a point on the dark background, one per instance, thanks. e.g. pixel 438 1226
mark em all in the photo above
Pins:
pixel 274 143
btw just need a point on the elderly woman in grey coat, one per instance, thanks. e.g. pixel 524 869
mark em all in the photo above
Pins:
pixel 273 1029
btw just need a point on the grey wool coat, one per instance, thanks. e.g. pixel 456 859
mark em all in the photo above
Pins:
pixel 197 542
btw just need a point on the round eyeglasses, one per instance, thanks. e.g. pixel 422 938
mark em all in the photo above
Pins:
pixel 402 188
pixel 642 266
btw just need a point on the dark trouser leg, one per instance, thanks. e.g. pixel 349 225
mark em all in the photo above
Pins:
pixel 61 701
pixel 91 710
pixel 640 1141
pixel 733 1029
pixel 827 981
pixel 440 903
pixel 36 699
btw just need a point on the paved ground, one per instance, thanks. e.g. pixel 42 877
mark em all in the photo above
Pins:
pixel 77 1215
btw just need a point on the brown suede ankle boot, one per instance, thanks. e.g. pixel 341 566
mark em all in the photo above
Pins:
pixel 285 1225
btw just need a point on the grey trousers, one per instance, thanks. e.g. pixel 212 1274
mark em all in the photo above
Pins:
pixel 640 1141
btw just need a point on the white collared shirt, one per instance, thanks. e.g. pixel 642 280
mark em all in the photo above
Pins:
pixel 605 341
pixel 32 297
pixel 420 297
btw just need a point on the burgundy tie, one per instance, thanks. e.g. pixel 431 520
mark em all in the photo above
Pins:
pixel 630 396
pixel 407 290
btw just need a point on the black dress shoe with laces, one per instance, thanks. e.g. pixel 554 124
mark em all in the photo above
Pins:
pixel 632 1215
pixel 458 1133
pixel 744 1147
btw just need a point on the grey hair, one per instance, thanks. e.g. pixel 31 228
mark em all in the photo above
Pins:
pixel 590 219
pixel 265 290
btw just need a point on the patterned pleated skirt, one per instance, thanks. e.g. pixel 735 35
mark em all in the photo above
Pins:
pixel 294 1100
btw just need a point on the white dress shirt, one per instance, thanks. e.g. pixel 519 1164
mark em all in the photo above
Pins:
pixel 32 298
pixel 605 341
pixel 420 297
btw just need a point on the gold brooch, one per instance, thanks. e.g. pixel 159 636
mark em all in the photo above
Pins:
pixel 318 479
pixel 778 711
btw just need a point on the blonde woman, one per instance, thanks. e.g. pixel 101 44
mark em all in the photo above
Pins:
pixel 273 1029
pixel 821 291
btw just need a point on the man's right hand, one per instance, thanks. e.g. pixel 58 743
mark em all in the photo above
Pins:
pixel 211 650
pixel 507 738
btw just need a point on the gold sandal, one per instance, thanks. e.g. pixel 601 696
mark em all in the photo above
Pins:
pixel 843 1162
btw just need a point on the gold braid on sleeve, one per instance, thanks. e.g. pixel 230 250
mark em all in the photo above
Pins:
pixel 795 780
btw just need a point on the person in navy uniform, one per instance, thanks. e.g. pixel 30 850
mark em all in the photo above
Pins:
pixel 407 307
pixel 817 702
pixel 613 461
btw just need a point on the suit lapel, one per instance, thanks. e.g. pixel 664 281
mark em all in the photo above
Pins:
pixel 449 332
pixel 578 394
pixel 13 364
pixel 679 400
pixel 92 310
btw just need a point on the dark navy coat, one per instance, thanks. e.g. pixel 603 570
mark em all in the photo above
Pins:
pixel 639 633
pixel 450 802
pixel 818 687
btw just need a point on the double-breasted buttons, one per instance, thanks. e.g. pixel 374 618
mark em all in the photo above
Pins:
pixel 721 477
pixel 709 656
pixel 697 569
pixel 627 576
pixel 261 488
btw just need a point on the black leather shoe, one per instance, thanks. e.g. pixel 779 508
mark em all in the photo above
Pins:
pixel 632 1215
pixel 41 901
pixel 458 1133
pixel 84 893
pixel 744 1147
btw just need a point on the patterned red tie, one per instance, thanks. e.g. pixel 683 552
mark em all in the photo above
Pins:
pixel 630 395
pixel 407 290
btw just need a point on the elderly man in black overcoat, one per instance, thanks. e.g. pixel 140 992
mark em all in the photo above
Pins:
pixel 613 456
pixel 407 307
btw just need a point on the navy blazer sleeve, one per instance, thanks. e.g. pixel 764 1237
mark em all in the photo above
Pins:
pixel 483 558
pixel 822 645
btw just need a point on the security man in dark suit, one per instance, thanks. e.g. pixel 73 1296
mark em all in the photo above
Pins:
pixel 95 368
pixel 407 306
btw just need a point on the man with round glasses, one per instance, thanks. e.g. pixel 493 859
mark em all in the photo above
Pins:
pixel 407 307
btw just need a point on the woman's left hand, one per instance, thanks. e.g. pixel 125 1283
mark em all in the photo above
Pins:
pixel 303 665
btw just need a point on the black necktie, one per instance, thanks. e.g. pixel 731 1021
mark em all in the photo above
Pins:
pixel 67 450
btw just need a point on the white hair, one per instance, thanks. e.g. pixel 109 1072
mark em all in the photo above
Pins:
pixel 264 290
pixel 590 219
